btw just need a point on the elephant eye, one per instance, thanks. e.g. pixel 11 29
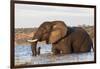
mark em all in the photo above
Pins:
pixel 55 29
pixel 45 31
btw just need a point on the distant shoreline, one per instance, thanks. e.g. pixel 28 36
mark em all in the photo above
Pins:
pixel 24 34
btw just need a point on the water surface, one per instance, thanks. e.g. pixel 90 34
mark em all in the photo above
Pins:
pixel 23 56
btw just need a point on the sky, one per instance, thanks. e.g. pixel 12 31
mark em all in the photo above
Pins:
pixel 29 16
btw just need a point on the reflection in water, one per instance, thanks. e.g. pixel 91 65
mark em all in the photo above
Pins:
pixel 23 56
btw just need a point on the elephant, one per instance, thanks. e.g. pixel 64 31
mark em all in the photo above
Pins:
pixel 64 39
pixel 38 50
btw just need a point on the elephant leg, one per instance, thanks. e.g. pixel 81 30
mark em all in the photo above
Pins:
pixel 62 47
pixel 66 51
pixel 84 49
pixel 55 51
pixel 65 46
pixel 86 46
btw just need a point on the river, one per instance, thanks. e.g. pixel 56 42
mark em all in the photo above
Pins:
pixel 23 56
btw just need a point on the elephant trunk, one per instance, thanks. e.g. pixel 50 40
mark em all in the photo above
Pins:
pixel 33 42
pixel 34 48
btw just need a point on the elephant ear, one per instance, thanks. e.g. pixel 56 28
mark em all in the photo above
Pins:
pixel 59 30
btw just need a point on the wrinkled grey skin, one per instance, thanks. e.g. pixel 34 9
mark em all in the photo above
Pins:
pixel 64 39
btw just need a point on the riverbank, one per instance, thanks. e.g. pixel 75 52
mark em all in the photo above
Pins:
pixel 24 34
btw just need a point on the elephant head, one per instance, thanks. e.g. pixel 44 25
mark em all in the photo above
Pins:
pixel 58 31
pixel 50 32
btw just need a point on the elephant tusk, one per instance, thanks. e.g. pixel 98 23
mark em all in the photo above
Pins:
pixel 32 40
